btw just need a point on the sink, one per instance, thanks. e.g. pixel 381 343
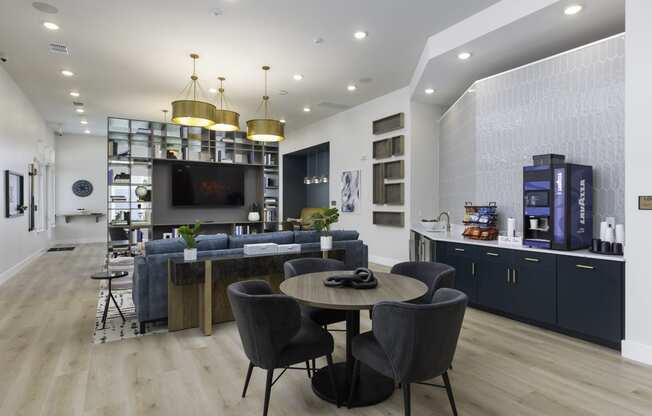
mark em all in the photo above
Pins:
pixel 434 225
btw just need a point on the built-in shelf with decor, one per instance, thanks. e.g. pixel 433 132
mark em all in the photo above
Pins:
pixel 134 146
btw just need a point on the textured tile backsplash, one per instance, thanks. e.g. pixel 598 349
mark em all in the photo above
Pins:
pixel 573 104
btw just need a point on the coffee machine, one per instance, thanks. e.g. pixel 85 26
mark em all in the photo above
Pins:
pixel 557 204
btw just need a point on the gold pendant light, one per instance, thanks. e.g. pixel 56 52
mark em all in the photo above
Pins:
pixel 265 129
pixel 225 120
pixel 193 112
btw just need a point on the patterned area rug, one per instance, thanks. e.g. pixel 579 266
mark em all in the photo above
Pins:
pixel 116 329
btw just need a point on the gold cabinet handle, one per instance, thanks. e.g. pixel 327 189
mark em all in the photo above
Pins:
pixel 514 276
pixel 459 249
pixel 473 268
pixel 489 253
pixel 508 275
pixel 532 259
pixel 584 266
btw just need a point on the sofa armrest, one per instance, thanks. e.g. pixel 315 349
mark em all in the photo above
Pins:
pixel 140 283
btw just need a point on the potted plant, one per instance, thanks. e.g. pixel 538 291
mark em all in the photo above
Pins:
pixel 254 213
pixel 189 235
pixel 321 222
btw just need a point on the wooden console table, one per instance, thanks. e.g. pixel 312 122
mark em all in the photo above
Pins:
pixel 197 290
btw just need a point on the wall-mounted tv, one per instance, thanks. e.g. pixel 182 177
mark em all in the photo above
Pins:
pixel 207 185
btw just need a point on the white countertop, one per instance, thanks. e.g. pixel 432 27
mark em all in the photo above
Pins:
pixel 455 236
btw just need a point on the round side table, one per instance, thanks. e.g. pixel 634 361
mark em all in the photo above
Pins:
pixel 109 276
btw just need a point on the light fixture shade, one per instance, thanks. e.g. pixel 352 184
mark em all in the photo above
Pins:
pixel 225 120
pixel 265 130
pixel 193 113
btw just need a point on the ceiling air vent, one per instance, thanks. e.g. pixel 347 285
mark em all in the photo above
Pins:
pixel 59 48
pixel 77 104
pixel 334 106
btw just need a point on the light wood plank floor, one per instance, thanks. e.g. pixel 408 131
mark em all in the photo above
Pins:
pixel 48 365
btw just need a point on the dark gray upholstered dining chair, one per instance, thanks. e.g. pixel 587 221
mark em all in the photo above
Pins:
pixel 274 334
pixel 412 343
pixel 322 317
pixel 434 275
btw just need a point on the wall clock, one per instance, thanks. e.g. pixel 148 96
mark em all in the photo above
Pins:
pixel 82 188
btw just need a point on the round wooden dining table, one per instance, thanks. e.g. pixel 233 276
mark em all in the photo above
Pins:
pixel 309 289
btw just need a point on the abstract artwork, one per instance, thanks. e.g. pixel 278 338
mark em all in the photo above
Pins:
pixel 350 186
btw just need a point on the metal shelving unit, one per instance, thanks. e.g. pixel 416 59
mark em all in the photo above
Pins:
pixel 133 146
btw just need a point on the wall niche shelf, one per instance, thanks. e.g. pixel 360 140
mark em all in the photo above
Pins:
pixel 387 124
pixel 386 148
pixel 388 218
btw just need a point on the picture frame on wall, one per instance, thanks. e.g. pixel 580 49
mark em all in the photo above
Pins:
pixel 350 190
pixel 14 194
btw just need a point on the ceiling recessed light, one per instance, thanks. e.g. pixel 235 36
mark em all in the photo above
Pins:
pixel 429 91
pixel 79 110
pixel 282 120
pixel 572 9
pixel 50 25
pixel 83 122
pixel 306 109
pixel 44 7
pixel 360 35
pixel 87 131
pixel 464 55
pixel 351 87
pixel 212 90
pixel 74 94
pixel 67 73
pixel 297 77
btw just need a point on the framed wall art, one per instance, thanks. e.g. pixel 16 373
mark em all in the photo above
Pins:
pixel 14 194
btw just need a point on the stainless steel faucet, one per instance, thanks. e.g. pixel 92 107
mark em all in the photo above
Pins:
pixel 448 219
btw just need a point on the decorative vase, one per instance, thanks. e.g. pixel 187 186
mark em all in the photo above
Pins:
pixel 189 254
pixel 326 242
pixel 254 216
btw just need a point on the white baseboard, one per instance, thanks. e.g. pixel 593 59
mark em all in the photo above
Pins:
pixel 90 240
pixel 637 351
pixel 384 261
pixel 16 268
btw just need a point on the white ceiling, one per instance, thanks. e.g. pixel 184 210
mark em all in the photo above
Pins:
pixel 539 35
pixel 131 57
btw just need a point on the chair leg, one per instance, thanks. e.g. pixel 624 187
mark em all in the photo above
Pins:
pixel 354 382
pixel 314 367
pixel 308 368
pixel 268 390
pixel 331 375
pixel 406 398
pixel 449 391
pixel 251 368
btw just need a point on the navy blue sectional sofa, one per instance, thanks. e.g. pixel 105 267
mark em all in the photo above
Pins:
pixel 150 277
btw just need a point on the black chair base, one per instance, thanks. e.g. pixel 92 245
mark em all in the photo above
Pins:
pixel 375 389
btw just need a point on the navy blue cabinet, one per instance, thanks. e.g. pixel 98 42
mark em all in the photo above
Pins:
pixel 590 297
pixel 494 281
pixel 534 285
pixel 575 295
pixel 463 257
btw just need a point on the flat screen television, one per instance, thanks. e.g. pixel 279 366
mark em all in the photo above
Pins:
pixel 207 185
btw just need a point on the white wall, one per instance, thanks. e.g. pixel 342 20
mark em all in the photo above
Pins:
pixel 80 157
pixel 424 175
pixel 23 135
pixel 638 151
pixel 350 137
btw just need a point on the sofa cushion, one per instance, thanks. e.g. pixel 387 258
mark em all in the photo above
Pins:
pixel 281 237
pixel 212 242
pixel 344 235
pixel 302 237
pixel 169 245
